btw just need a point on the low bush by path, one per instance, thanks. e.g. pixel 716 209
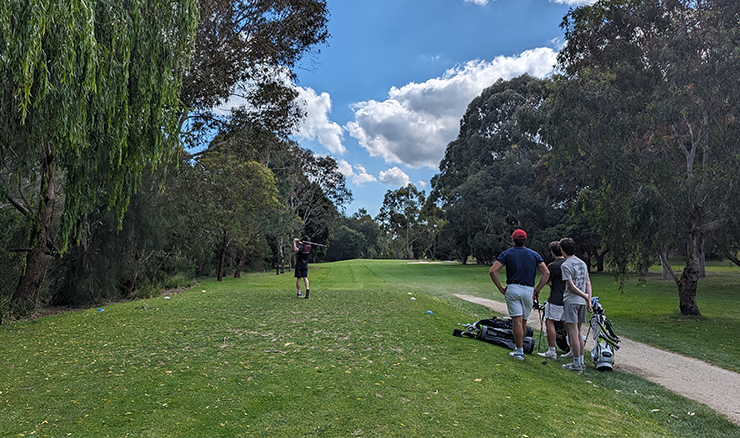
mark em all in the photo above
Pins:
pixel 359 358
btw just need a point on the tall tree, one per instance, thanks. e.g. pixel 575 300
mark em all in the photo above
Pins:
pixel 650 101
pixel 90 93
pixel 241 196
pixel 317 191
pixel 487 182
pixel 247 50
pixel 400 216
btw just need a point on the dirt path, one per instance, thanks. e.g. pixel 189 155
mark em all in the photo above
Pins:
pixel 713 386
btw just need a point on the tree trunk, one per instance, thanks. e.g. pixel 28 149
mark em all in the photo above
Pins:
pixel 687 289
pixel 280 269
pixel 665 269
pixel 600 261
pixel 222 257
pixel 27 291
pixel 692 271
pixel 242 261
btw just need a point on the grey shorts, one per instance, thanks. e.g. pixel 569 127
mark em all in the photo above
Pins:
pixel 574 313
pixel 553 312
pixel 519 300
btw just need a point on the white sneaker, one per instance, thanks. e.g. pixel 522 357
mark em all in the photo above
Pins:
pixel 517 356
pixel 549 354
pixel 568 354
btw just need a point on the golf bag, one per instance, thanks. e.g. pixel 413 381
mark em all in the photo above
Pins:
pixel 605 341
pixel 561 339
pixel 496 331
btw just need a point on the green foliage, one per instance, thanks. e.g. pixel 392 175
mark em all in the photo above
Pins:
pixel 178 281
pixel 100 84
pixel 402 218
pixel 11 262
pixel 487 185
pixel 89 98
pixel 647 102
pixel 94 93
pixel 346 244
pixel 245 358
pixel 249 49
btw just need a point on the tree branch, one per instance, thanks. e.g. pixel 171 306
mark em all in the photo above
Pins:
pixel 664 260
pixel 24 211
pixel 710 226
pixel 733 259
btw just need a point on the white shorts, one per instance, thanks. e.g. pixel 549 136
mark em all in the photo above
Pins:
pixel 553 312
pixel 519 300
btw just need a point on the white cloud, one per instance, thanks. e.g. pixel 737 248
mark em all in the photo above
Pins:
pixel 362 177
pixel 394 177
pixel 316 125
pixel 477 2
pixel 345 168
pixel 357 174
pixel 415 123
pixel 421 184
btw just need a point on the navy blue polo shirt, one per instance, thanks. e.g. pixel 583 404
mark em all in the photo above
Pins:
pixel 521 265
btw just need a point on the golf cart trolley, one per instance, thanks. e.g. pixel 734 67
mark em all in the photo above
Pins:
pixel 605 341
pixel 497 331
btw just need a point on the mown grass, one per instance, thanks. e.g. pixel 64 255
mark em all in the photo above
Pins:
pixel 360 358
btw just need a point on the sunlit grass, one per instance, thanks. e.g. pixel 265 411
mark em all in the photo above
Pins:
pixel 360 358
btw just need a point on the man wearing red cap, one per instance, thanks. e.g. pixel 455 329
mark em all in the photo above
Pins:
pixel 522 265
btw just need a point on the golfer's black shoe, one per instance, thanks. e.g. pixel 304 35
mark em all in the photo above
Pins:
pixel 306 294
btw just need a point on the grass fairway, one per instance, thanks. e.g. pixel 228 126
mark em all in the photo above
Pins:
pixel 360 358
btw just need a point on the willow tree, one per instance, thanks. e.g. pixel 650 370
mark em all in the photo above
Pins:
pixel 89 96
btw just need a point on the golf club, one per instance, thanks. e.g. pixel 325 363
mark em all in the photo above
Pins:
pixel 540 309
pixel 311 243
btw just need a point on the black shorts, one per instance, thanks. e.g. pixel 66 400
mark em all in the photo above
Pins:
pixel 301 271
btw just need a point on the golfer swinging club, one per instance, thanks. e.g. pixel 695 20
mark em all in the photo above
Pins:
pixel 302 249
pixel 522 265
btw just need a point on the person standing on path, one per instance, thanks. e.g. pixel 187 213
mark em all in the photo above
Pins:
pixel 576 299
pixel 302 249
pixel 522 265
pixel 554 305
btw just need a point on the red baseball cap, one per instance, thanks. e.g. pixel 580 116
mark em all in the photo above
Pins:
pixel 519 234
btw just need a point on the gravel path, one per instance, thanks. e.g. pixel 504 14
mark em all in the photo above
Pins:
pixel 715 387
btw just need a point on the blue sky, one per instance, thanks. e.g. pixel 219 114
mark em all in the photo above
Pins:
pixel 386 95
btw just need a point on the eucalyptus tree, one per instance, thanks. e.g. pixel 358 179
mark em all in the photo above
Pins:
pixel 401 218
pixel 487 183
pixel 246 50
pixel 241 196
pixel 648 105
pixel 90 96
pixel 317 192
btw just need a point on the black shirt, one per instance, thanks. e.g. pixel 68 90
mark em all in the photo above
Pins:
pixel 557 285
